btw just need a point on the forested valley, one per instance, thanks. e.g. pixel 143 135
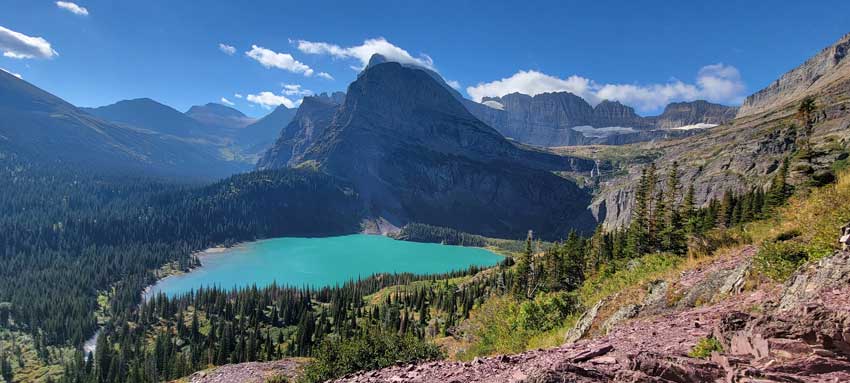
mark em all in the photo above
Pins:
pixel 105 237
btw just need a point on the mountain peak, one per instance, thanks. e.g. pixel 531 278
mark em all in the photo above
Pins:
pixel 414 153
pixel 376 59
pixel 213 108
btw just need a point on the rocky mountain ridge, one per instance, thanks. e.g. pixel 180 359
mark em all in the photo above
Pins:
pixel 564 119
pixel 819 72
pixel 36 126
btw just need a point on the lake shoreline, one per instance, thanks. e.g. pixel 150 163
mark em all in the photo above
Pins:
pixel 168 272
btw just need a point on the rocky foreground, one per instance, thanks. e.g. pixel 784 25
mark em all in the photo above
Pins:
pixel 799 332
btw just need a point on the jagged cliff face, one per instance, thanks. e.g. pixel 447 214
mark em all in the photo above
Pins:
pixel 564 119
pixel 415 154
pixel 746 152
pixel 680 114
pixel 816 74
pixel 613 113
pixel 313 116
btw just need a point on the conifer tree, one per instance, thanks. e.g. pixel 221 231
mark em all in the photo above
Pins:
pixel 672 235
pixel 779 190
pixel 639 237
pixel 523 270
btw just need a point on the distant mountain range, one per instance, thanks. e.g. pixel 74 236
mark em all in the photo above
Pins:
pixel 564 119
pixel 42 128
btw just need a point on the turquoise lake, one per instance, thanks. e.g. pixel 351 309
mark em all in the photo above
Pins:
pixel 321 262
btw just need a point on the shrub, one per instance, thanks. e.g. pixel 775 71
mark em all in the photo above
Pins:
pixel 371 349
pixel 778 260
pixel 705 347
pixel 822 177
pixel 546 311
pixel 495 328
pixel 788 235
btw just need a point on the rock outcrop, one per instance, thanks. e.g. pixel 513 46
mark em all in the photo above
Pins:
pixel 284 370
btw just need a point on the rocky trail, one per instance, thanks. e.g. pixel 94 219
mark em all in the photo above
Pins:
pixel 799 332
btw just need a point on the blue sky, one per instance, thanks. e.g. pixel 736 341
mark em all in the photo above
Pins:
pixel 642 53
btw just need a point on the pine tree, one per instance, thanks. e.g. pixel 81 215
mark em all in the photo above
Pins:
pixel 806 114
pixel 688 211
pixel 638 234
pixel 574 262
pixel 672 235
pixel 779 189
pixel 522 280
pixel 727 208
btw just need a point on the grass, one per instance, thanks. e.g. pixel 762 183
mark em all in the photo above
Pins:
pixel 805 230
pixel 27 366
pixel 637 272
pixel 705 347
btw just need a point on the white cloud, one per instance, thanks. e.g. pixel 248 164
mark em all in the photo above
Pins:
pixel 237 95
pixel 226 102
pixel 227 49
pixel 271 59
pixel 716 82
pixel 364 52
pixel 17 45
pixel 295 90
pixel 12 73
pixel 453 84
pixel 73 8
pixel 325 75
pixel 269 100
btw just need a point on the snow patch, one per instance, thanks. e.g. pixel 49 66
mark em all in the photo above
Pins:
pixel 494 104
pixel 589 131
pixel 696 126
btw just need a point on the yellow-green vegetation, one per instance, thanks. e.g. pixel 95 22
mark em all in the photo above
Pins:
pixel 806 229
pixel 618 276
pixel 705 347
pixel 18 352
pixel 505 325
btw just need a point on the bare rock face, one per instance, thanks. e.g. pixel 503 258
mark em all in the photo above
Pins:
pixel 680 114
pixel 806 284
pixel 309 122
pixel 251 372
pixel 542 120
pixel 583 324
pixel 817 73
pixel 547 119
pixel 613 113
